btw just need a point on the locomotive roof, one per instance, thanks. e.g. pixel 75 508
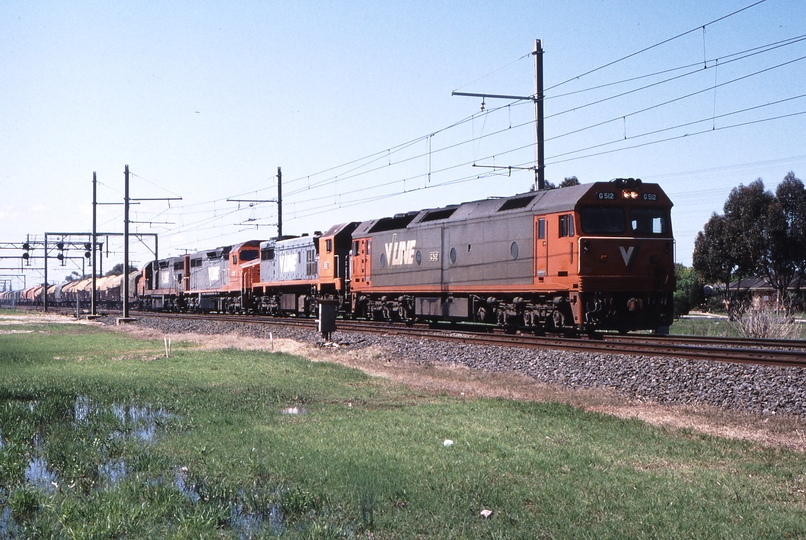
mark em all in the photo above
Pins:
pixel 289 241
pixel 544 201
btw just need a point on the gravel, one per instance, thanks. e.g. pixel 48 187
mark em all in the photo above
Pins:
pixel 740 387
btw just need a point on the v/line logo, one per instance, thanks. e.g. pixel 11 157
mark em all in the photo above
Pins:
pixel 626 254
pixel 288 262
pixel 400 253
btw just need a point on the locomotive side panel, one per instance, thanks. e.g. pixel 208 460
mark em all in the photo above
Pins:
pixel 403 258
pixel 297 259
pixel 438 257
pixel 496 251
pixel 209 270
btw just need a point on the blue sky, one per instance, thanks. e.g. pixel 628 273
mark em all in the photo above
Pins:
pixel 204 100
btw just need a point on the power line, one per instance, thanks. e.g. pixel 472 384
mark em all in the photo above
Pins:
pixel 670 101
pixel 720 128
pixel 368 164
pixel 686 124
pixel 702 27
pixel 728 58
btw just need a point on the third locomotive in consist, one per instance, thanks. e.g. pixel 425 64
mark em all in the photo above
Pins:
pixel 577 259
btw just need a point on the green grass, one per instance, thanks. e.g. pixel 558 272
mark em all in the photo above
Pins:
pixel 724 328
pixel 365 459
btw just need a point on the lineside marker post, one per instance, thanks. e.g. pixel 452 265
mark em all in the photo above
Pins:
pixel 327 317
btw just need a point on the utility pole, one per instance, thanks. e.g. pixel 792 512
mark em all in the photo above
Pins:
pixel 540 172
pixel 125 296
pixel 537 98
pixel 126 202
pixel 94 239
pixel 278 200
pixel 45 288
pixel 279 203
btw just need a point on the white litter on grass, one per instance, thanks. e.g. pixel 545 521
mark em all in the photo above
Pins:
pixel 486 513
pixel 293 410
pixel 447 443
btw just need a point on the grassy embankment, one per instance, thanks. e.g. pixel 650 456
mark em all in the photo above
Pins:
pixel 104 438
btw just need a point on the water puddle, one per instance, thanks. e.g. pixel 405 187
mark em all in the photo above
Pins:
pixel 113 426
pixel 185 486
pixel 244 519
pixel 129 423
pixel 112 472
pixel 6 523
pixel 40 476
pixel 143 421
pixel 135 423
pixel 254 524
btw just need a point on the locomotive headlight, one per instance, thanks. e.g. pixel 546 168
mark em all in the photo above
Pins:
pixel 628 194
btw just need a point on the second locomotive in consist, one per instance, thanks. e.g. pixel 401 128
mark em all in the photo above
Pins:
pixel 582 258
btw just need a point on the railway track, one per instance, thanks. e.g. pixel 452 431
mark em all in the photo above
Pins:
pixel 787 353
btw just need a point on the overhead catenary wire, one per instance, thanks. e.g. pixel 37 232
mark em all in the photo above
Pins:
pixel 369 164
pixel 686 124
pixel 709 130
pixel 658 44
pixel 361 163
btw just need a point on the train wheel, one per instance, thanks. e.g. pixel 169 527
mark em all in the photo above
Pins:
pixel 557 319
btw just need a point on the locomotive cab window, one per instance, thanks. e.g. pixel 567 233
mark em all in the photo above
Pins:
pixel 566 225
pixel 648 221
pixel 249 255
pixel 541 228
pixel 603 220
pixel 329 245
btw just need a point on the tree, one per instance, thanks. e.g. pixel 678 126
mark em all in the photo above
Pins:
pixel 118 270
pixel 715 259
pixel 776 263
pixel 569 181
pixel 791 195
pixel 688 289
pixel 683 278
pixel 746 213
pixel 759 235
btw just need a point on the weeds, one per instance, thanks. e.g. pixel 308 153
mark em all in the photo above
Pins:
pixel 766 323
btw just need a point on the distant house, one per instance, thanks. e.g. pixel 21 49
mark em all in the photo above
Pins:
pixel 763 295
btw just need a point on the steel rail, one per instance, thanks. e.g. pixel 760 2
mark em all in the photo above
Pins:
pixel 747 351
